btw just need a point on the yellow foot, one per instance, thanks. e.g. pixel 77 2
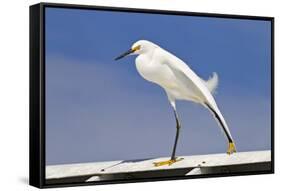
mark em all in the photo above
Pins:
pixel 167 162
pixel 231 148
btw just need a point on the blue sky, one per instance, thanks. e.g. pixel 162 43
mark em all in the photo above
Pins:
pixel 98 109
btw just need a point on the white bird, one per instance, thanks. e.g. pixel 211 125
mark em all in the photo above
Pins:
pixel 179 82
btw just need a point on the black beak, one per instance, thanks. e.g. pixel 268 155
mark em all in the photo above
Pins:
pixel 124 54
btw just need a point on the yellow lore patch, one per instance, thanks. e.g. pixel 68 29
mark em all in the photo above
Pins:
pixel 136 48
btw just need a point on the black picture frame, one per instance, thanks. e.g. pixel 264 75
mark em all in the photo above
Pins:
pixel 37 92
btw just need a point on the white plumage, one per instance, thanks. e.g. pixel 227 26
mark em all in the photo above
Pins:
pixel 212 83
pixel 159 66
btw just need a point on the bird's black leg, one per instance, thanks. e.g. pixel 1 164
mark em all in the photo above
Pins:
pixel 173 157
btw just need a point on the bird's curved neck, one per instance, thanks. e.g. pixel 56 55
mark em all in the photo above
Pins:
pixel 147 54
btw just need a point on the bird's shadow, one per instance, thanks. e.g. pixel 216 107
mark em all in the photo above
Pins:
pixel 126 161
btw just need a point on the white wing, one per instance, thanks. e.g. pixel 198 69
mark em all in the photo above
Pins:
pixel 187 77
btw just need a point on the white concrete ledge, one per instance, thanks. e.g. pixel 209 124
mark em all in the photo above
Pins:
pixel 190 165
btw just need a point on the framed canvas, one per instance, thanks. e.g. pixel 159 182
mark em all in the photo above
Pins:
pixel 130 95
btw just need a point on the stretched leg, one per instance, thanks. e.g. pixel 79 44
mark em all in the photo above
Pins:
pixel 173 157
pixel 231 146
pixel 177 135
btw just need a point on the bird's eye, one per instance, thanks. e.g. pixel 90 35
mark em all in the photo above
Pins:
pixel 136 48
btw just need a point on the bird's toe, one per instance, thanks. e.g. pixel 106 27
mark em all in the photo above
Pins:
pixel 231 148
pixel 167 162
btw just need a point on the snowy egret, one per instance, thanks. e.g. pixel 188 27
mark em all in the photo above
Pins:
pixel 180 83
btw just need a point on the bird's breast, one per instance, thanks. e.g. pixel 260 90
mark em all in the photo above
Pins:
pixel 155 72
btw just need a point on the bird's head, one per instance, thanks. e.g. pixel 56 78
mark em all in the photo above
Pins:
pixel 139 47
